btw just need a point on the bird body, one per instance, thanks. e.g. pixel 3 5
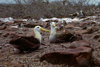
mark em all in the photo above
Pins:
pixel 63 36
pixel 52 36
pixel 25 43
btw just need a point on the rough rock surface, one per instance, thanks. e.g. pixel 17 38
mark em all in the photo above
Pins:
pixel 8 52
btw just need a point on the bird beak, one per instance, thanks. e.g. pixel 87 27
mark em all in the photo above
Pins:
pixel 45 30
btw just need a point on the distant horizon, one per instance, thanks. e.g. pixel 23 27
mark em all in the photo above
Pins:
pixel 13 2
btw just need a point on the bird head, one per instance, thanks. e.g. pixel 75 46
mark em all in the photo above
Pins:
pixel 37 30
pixel 53 24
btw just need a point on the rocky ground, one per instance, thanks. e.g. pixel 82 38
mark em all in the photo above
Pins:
pixel 9 57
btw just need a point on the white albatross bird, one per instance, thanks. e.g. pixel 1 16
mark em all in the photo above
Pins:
pixel 29 43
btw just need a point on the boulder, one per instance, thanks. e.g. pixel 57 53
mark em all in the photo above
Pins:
pixel 80 43
pixel 15 64
pixel 2 27
pixel 72 57
pixel 81 31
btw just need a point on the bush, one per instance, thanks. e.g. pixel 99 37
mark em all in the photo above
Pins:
pixel 38 9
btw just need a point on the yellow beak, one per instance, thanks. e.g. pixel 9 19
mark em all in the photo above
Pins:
pixel 45 30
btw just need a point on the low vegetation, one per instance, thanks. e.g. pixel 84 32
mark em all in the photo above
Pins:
pixel 45 9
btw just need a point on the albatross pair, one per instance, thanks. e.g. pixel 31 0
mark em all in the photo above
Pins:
pixel 33 42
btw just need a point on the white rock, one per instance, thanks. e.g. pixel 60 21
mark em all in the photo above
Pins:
pixel 25 20
pixel 54 18
pixel 76 20
pixel 14 26
pixel 9 19
pixel 44 19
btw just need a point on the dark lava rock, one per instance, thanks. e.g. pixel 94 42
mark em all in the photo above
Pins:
pixel 76 37
pixel 29 25
pixel 96 36
pixel 59 58
pixel 73 57
pixel 5 35
pixel 1 23
pixel 0 47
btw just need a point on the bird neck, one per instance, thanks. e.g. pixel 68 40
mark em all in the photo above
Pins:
pixel 37 35
pixel 53 31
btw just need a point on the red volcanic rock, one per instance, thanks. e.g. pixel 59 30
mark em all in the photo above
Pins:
pixel 96 57
pixel 86 24
pixel 84 60
pixel 2 27
pixel 79 50
pixel 69 26
pixel 1 23
pixel 25 43
pixel 15 64
pixel 8 24
pixel 99 39
pixel 81 31
pixel 75 57
pixel 59 58
pixel 18 20
pixel 12 29
pixel 5 34
pixel 92 30
pixel 80 43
